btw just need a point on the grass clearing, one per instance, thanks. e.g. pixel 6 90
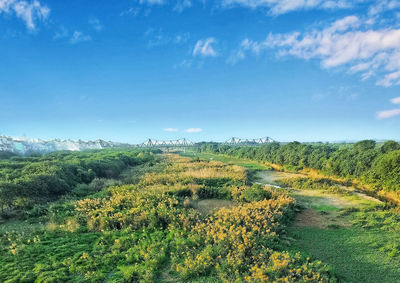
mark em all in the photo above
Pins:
pixel 248 164
pixel 325 208
pixel 273 177
pixel 354 254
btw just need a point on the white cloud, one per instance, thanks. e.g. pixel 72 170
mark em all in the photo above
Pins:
pixel 61 33
pixel 95 23
pixel 78 36
pixel 388 113
pixel 182 38
pixel 383 6
pixel 390 79
pixel 395 100
pixel 187 64
pixel 205 48
pixel 152 2
pixel 130 11
pixel 30 13
pixel 194 130
pixel 182 5
pixel 156 37
pixel 278 7
pixel 170 129
pixel 349 42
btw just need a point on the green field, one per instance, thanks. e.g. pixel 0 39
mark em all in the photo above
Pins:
pixel 356 255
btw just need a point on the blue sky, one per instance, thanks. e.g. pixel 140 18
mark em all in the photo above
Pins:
pixel 126 70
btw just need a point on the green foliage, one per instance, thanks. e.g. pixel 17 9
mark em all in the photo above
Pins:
pixel 26 181
pixel 376 165
pixel 380 219
pixel 256 192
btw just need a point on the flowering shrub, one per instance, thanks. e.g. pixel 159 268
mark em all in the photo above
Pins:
pixel 281 267
pixel 235 237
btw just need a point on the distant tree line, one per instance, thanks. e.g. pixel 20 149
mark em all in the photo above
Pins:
pixel 25 181
pixel 375 164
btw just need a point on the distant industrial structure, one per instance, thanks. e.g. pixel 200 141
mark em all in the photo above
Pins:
pixel 184 143
pixel 239 141
pixel 26 146
pixel 166 144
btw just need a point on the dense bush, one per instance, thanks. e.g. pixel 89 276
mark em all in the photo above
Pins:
pixel 377 165
pixel 26 181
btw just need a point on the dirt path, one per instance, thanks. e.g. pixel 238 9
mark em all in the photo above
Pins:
pixel 321 209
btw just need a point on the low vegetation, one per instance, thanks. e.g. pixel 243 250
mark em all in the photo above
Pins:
pixel 151 231
pixel 28 182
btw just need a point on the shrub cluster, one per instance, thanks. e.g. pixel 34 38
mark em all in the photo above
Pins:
pixel 26 181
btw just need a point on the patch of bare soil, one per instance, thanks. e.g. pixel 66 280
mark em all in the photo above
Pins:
pixel 271 177
pixel 309 218
pixel 319 219
pixel 309 198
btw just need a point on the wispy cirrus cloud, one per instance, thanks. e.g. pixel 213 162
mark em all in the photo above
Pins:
pixel 194 130
pixel 96 24
pixel 156 37
pixel 182 5
pixel 178 5
pixel 390 113
pixel 205 48
pixel 62 32
pixel 30 13
pixel 131 11
pixel 279 7
pixel 395 100
pixel 170 129
pixel 153 2
pixel 78 37
pixel 351 42
pixel 383 6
